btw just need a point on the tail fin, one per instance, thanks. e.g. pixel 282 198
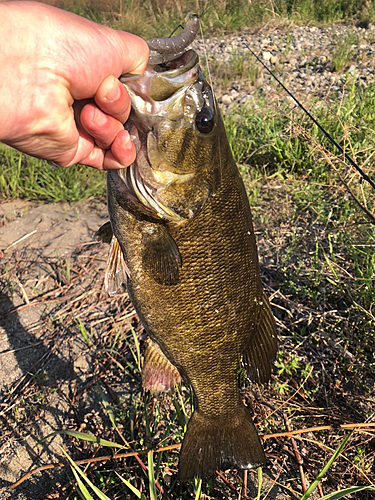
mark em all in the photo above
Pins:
pixel 211 442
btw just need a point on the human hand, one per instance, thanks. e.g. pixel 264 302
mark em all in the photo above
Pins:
pixel 60 96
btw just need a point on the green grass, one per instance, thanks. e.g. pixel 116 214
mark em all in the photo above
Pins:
pixel 22 176
pixel 321 249
pixel 160 17
pixel 344 50
pixel 272 136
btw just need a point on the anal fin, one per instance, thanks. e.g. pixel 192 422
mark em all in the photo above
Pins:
pixel 158 373
pixel 262 348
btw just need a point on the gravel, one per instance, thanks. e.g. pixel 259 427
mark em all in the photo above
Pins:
pixel 302 57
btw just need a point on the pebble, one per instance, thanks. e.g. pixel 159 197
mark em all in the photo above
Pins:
pixel 301 57
pixel 267 56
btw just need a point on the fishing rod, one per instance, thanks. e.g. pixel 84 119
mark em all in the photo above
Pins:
pixel 327 135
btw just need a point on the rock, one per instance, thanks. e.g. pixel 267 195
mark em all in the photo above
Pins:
pixel 226 99
pixel 267 56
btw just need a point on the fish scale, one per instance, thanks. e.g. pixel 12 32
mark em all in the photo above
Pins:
pixel 194 278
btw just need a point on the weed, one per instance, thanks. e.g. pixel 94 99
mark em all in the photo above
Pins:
pixel 22 176
pixel 87 337
pixel 344 51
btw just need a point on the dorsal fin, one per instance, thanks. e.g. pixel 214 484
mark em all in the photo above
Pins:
pixel 262 348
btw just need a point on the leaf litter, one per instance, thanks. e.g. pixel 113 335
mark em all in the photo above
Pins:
pixel 61 336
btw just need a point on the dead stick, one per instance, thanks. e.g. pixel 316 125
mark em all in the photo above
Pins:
pixel 320 489
pixel 226 481
pixel 244 486
pixel 91 461
pixel 297 455
pixel 292 396
pixel 356 427
pixel 348 427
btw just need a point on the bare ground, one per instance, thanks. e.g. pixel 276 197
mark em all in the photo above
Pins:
pixel 48 373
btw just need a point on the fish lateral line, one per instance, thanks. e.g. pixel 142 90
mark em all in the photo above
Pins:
pixel 326 134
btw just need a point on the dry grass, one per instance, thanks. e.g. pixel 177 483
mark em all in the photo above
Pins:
pixel 323 375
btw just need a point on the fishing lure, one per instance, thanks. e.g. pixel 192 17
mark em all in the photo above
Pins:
pixel 166 49
pixel 171 47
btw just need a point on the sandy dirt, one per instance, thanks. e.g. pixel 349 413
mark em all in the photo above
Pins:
pixel 28 341
pixel 46 366
pixel 51 277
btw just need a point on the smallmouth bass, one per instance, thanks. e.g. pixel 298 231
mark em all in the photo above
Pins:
pixel 183 243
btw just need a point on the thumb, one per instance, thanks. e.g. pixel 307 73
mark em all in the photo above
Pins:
pixel 111 52
pixel 133 51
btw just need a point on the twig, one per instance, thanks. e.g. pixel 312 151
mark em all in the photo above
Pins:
pixel 244 485
pixel 92 460
pixel 299 459
pixel 356 427
pixel 320 489
pixel 23 291
pixel 324 446
pixel 73 246
pixel 225 480
pixel 21 348
pixel 347 427
pixel 292 396
pixel 19 240
pixel 32 304
pixel 364 310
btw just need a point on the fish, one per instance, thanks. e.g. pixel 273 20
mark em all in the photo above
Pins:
pixel 183 244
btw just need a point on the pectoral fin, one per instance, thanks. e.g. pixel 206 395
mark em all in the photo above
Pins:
pixel 262 348
pixel 161 258
pixel 105 233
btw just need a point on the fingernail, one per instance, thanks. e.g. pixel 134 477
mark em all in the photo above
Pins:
pixel 114 93
pixel 97 117
pixel 127 142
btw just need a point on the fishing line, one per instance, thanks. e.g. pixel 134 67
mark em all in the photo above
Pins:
pixel 352 162
pixel 212 88
pixel 206 60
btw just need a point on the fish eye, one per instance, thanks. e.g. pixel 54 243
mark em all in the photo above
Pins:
pixel 204 121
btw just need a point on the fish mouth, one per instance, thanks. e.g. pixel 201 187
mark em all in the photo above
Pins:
pixel 154 96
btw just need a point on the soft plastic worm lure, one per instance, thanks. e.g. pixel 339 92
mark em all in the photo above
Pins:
pixel 169 48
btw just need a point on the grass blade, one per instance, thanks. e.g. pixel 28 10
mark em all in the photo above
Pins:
pixel 84 437
pixel 132 488
pixel 151 476
pixel 198 488
pixel 260 480
pixel 347 491
pixel 106 406
pixel 322 473
pixel 81 488
pixel 96 490
pixel 137 356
